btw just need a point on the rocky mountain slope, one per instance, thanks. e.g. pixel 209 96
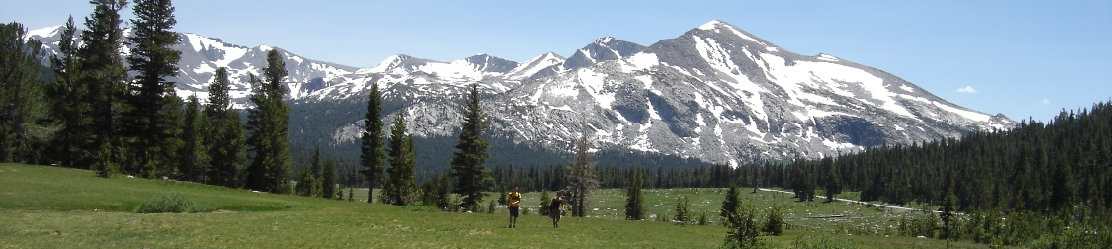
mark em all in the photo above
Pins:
pixel 715 93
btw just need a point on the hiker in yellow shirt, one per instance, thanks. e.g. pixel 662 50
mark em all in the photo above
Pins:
pixel 514 201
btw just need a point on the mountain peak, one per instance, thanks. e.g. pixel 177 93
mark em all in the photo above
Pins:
pixel 605 40
pixel 603 49
pixel 552 54
pixel 396 61
pixel 542 65
pixel 714 24
pixel 720 27
pixel 488 63
pixel 44 32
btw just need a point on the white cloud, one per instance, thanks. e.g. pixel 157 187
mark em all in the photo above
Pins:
pixel 966 89
pixel 1045 101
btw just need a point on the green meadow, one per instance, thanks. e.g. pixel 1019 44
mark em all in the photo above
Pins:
pixel 50 207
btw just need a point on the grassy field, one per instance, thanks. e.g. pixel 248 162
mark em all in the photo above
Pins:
pixel 49 207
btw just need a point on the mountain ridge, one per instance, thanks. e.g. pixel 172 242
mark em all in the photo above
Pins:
pixel 716 93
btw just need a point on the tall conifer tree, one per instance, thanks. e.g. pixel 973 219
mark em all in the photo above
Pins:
pixel 69 111
pixel 152 122
pixel 314 183
pixel 581 176
pixel 832 183
pixel 21 98
pixel 635 207
pixel 194 156
pixel 103 74
pixel 467 162
pixel 372 153
pixel 328 181
pixel 268 128
pixel 402 163
pixel 226 141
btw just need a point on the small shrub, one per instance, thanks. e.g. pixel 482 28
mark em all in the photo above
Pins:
pixel 928 226
pixel 169 203
pixel 742 229
pixel 702 220
pixel 682 217
pixel 543 207
pixel 775 224
pixel 490 207
pixel 455 205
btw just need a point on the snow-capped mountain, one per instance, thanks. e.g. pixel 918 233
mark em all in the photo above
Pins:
pixel 544 65
pixel 715 93
pixel 201 56
pixel 603 49
pixel 719 94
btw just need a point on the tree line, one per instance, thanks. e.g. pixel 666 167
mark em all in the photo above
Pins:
pixel 1035 167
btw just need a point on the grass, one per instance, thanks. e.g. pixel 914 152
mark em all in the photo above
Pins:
pixel 49 207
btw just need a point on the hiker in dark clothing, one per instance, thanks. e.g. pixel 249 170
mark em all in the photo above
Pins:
pixel 554 210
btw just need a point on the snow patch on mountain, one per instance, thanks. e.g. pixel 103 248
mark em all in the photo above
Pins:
pixel 716 93
pixel 44 32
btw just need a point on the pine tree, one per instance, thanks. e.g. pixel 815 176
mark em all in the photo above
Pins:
pixel 832 183
pixel 268 128
pixel 315 185
pixel 802 181
pixel 372 153
pixel 152 121
pixel 22 109
pixel 743 231
pixel 316 166
pixel 328 182
pixel 194 156
pixel 305 183
pixel 226 141
pixel 544 202
pixel 1063 188
pixel 775 224
pixel 635 207
pixel 429 191
pixel 103 74
pixel 467 162
pixel 682 216
pixel 730 205
pixel 581 177
pixel 949 203
pixel 444 193
pixel 402 163
pixel 257 128
pixel 67 93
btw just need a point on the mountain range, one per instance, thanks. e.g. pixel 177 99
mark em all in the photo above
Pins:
pixel 715 93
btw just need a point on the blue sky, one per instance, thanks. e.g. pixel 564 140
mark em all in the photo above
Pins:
pixel 1021 58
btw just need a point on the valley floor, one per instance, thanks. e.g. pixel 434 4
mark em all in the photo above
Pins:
pixel 49 207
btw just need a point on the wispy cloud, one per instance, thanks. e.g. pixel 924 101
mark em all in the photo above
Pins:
pixel 966 89
pixel 1045 101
